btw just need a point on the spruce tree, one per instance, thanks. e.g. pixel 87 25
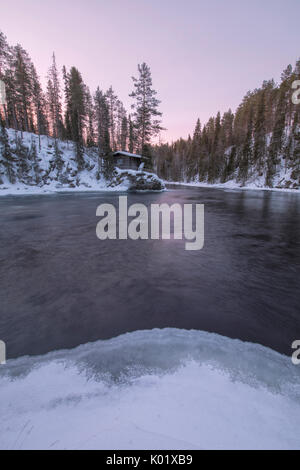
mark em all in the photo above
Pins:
pixel 276 143
pixel 193 158
pixel 54 100
pixel 103 137
pixel 247 152
pixel 111 101
pixel 21 153
pixel 35 164
pixel 147 117
pixel 131 137
pixel 124 133
pixel 22 87
pixel 296 150
pixel 77 113
pixel 90 140
pixel 259 149
pixel 39 102
pixel 213 171
pixel 6 157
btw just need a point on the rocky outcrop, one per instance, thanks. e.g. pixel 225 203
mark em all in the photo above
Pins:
pixel 137 180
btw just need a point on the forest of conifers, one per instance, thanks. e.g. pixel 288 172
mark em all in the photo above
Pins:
pixel 260 140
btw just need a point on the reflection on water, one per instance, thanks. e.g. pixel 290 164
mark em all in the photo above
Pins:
pixel 61 286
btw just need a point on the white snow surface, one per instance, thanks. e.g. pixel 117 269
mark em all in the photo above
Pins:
pixel 158 389
pixel 232 185
pixel 85 180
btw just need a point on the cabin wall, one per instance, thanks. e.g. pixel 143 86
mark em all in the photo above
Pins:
pixel 127 163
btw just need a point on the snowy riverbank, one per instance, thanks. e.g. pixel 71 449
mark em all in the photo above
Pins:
pixel 232 185
pixel 43 166
pixel 123 180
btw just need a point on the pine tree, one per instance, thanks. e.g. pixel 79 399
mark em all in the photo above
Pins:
pixel 131 137
pixel 121 131
pixel 22 161
pixel 67 103
pixel 146 116
pixel 213 171
pixel 204 153
pixel 112 100
pixel 260 148
pixel 22 86
pixel 296 149
pixel 124 133
pixel 39 105
pixel 193 158
pixel 230 165
pixel 35 165
pixel 90 140
pixel 58 162
pixel 102 126
pixel 247 152
pixel 6 158
pixel 54 100
pixel 11 95
pixel 276 143
pixel 4 53
pixel 77 113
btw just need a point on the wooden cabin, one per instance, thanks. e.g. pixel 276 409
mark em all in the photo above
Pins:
pixel 127 161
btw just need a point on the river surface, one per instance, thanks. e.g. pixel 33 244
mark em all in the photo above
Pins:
pixel 60 286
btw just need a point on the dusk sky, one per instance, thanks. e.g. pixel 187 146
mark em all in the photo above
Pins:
pixel 204 55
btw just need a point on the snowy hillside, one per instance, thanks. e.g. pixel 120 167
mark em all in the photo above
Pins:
pixel 286 177
pixel 39 165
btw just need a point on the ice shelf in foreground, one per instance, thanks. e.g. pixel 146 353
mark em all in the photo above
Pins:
pixel 172 389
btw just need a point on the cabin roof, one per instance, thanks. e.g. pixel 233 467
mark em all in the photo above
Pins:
pixel 127 154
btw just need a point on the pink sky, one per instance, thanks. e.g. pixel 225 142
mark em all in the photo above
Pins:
pixel 204 55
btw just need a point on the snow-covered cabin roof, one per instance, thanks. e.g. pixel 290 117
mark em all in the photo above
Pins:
pixel 127 154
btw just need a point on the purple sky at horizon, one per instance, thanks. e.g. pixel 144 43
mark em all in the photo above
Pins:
pixel 204 55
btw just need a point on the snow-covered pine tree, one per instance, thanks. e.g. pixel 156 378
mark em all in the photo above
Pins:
pixel 33 157
pixel 247 151
pixel 57 159
pixel 277 139
pixel 4 53
pixel 260 146
pixel 6 157
pixel 296 150
pixel 22 155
